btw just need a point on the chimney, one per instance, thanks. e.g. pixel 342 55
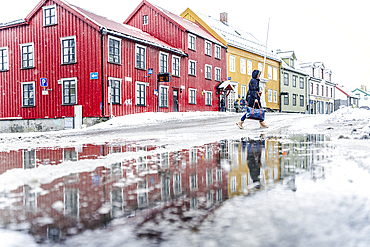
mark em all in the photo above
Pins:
pixel 223 18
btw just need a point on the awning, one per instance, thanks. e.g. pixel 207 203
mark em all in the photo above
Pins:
pixel 227 85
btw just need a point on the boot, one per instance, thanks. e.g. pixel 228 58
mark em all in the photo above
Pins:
pixel 240 124
pixel 263 125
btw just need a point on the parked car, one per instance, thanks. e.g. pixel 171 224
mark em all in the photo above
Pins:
pixel 365 107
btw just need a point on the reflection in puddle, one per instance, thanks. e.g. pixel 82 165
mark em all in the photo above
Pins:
pixel 86 187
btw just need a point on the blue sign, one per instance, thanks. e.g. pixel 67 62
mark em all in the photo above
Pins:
pixel 44 82
pixel 94 76
pixel 229 78
pixel 150 71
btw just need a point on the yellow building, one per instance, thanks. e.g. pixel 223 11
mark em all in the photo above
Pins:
pixel 244 54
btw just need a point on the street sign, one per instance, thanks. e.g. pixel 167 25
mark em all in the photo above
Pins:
pixel 150 71
pixel 228 78
pixel 44 82
pixel 94 76
pixel 164 77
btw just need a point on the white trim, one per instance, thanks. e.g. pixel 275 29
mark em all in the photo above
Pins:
pixel 61 48
pixel 193 89
pixel 216 69
pixel 274 73
pixel 216 47
pixel 33 54
pixel 120 49
pixel 195 42
pixel 195 70
pixel 205 98
pixel 144 47
pixel 159 95
pixel 6 49
pixel 243 66
pixel 205 72
pixel 34 93
pixel 173 56
pixel 205 48
pixel 145 96
pixel 249 67
pixel 232 64
pixel 43 14
pixel 62 91
pixel 159 61
pixel 110 88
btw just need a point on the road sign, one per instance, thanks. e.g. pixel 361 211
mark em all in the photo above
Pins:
pixel 94 76
pixel 150 71
pixel 43 82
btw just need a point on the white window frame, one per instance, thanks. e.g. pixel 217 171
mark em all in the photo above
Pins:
pixel 159 62
pixel 275 96
pixel 62 50
pixel 191 45
pixel 274 74
pixel 34 100
pixel 195 98
pixel 217 51
pixel 208 53
pixel 173 67
pixel 195 69
pixel 233 184
pixel 136 50
pixel 231 63
pixel 206 97
pixel 120 50
pixel 192 185
pixel 54 6
pixel 208 74
pixel 249 67
pixel 243 90
pixel 269 70
pixel 110 89
pixel 145 19
pixel 69 79
pixel 160 95
pixel 5 61
pixel 33 55
pixel 137 102
pixel 217 77
pixel 260 67
pixel 243 66
pixel 269 95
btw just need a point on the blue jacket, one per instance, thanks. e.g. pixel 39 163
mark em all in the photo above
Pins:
pixel 253 89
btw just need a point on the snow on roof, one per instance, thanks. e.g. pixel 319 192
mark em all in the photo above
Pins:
pixel 362 91
pixel 189 26
pixel 104 22
pixel 285 54
pixel 236 37
pixel 297 69
pixel 345 91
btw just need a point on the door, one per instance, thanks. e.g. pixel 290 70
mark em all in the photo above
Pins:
pixel 175 100
pixel 78 116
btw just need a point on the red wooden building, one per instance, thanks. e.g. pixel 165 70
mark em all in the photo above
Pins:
pixel 62 56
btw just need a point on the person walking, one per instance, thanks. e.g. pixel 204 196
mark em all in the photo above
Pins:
pixel 253 95
pixel 236 105
pixel 222 104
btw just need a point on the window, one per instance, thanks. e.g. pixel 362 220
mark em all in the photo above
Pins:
pixel 327 91
pixel 28 94
pixel 294 99
pixel 140 91
pixel 243 90
pixel 219 195
pixel 313 72
pixel 140 57
pixel 208 98
pixel 4 59
pixel 294 81
pixel 175 66
pixel 232 63
pixel 275 74
pixel 286 79
pixel 192 96
pixel 29 159
pixel 322 90
pixel 208 72
pixel 177 184
pixel 301 100
pixel 291 62
pixel 233 184
pixel 218 175
pixel 163 62
pixel 163 96
pixel 270 95
pixel 209 177
pixel 260 65
pixel 331 92
pixel 286 99
pixel 27 55
pixel 243 66
pixel 191 44
pixel 69 91
pixel 114 50
pixel 115 90
pixel 275 96
pixel 208 48
pixel 269 69
pixel 249 67
pixel 145 20
pixel 217 51
pixel 217 74
pixel 50 15
pixel 68 50
pixel 322 73
pixel 192 67
pixel 311 88
pixel 193 181
pixel 317 89
pixel 301 82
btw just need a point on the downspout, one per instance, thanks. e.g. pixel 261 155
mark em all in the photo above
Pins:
pixel 103 32
pixel 281 73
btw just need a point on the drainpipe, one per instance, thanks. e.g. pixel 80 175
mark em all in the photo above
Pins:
pixel 103 32
pixel 280 86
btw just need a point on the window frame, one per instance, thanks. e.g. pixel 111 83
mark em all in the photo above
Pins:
pixel 301 82
pixel 294 99
pixel 191 102
pixel 286 79
pixel 294 82
pixel 217 52
pixel 275 96
pixel 138 98
pixel 286 99
pixel 208 98
pixel 145 19
pixel 110 60
pixel 269 72
pixel 208 44
pixel 33 55
pixel 269 93
pixel 174 67
pixel 274 73
pixel 44 9
pixel 139 48
pixel 249 67
pixel 22 94
pixel 232 63
pixel 190 67
pixel 164 65
pixel 163 101
pixel 192 42
pixel 301 100
pixel 208 72
pixel 217 76
pixel 4 65
pixel 110 88
pixel 243 65
pixel 63 95
pixel 62 50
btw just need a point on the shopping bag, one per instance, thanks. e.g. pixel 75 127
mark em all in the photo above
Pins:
pixel 255 113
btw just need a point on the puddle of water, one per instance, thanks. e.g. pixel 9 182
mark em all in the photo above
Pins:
pixel 57 193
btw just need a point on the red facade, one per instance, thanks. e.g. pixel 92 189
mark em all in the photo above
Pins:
pixel 84 57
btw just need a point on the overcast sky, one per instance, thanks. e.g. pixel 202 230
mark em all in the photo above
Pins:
pixel 334 32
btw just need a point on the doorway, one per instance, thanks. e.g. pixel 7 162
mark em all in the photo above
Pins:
pixel 175 100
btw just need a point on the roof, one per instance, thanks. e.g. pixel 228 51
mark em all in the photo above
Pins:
pixel 236 37
pixel 285 66
pixel 286 54
pixel 345 91
pixel 361 91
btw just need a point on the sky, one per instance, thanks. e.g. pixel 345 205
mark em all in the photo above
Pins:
pixel 328 31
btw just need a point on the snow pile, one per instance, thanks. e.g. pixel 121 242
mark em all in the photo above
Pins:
pixel 347 114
